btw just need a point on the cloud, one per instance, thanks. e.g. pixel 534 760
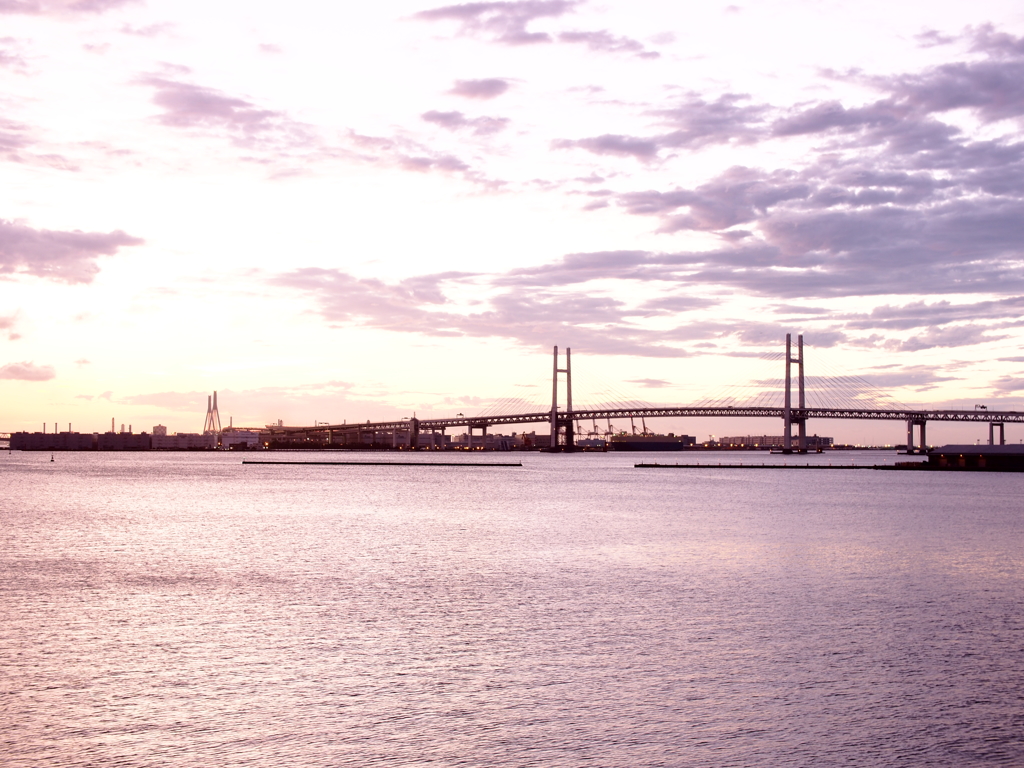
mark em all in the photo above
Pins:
pixel 9 59
pixel 919 314
pixel 400 152
pixel 186 105
pixel 501 22
pixel 507 22
pixel 8 324
pixel 271 134
pixel 650 383
pixel 83 361
pixel 613 144
pixel 692 124
pixel 530 316
pixel 150 30
pixel 60 7
pixel 606 42
pixel 455 121
pixel 63 256
pixel 11 138
pixel 954 336
pixel 173 401
pixel 930 38
pixel 486 88
pixel 1008 384
pixel 919 377
pixel 27 371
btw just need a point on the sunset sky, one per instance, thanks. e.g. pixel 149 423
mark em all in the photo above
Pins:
pixel 351 211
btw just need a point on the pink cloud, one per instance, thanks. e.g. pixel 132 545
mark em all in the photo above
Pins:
pixel 64 256
pixel 486 88
pixel 60 7
pixel 455 121
pixel 506 23
pixel 8 323
pixel 27 371
pixel 604 41
pixel 150 30
pixel 186 105
pixel 503 22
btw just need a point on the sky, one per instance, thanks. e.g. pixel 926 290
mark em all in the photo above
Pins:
pixel 341 211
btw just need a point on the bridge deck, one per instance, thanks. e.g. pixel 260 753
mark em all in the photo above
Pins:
pixel 476 422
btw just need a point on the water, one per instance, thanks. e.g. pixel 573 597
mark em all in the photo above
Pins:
pixel 185 610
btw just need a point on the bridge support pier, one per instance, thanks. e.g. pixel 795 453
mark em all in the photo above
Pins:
pixel 991 433
pixel 911 423
pixel 788 418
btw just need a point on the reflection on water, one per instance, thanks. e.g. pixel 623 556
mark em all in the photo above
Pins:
pixel 186 610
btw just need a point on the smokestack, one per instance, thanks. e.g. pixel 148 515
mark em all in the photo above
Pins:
pixel 112 430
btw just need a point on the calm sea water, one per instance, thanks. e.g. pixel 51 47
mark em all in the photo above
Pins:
pixel 185 610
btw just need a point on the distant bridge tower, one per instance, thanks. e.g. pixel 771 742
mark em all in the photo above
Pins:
pixel 557 423
pixel 212 424
pixel 787 415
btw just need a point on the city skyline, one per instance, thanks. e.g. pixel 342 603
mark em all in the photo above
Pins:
pixel 332 213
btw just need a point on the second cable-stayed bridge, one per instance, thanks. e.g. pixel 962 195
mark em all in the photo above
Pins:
pixel 564 420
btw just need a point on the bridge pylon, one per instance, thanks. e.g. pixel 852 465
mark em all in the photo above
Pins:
pixel 212 424
pixel 788 418
pixel 558 424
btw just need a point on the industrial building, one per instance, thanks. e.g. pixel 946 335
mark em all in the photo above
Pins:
pixel 669 442
pixel 978 458
pixel 768 442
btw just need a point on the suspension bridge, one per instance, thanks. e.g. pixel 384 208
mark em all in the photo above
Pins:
pixel 857 401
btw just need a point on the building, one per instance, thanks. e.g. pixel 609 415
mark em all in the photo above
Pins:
pixel 978 458
pixel 669 442
pixel 236 439
pixel 48 441
pixel 187 441
pixel 123 441
pixel 814 442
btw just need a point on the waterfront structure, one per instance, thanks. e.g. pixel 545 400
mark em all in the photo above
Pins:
pixel 48 441
pixel 414 433
pixel 123 441
pixel 184 441
pixel 565 423
pixel 990 458
pixel 239 438
pixel 813 442
pixel 669 442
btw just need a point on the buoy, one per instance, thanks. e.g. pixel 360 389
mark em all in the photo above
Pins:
pixel 51 457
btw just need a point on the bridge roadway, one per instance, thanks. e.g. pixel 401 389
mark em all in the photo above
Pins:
pixel 979 416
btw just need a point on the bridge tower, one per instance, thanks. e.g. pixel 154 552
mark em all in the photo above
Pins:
pixel 212 424
pixel 557 423
pixel 787 415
